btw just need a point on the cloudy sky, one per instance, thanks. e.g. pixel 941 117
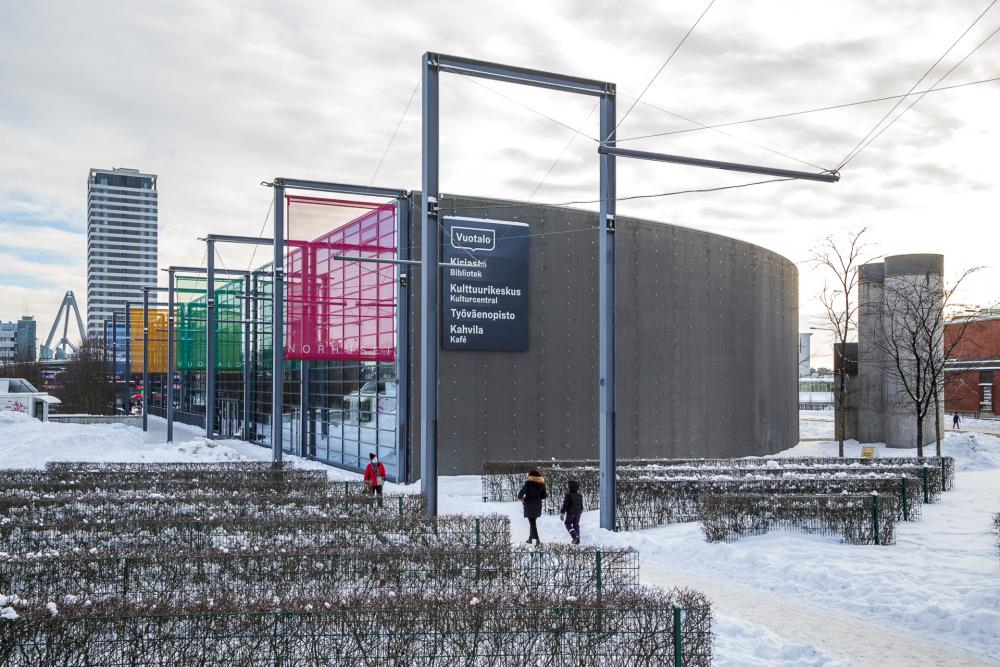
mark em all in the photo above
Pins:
pixel 215 97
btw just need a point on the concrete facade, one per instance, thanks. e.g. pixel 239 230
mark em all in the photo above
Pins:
pixel 707 336
pixel 887 292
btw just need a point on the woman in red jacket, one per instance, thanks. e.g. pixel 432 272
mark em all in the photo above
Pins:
pixel 375 475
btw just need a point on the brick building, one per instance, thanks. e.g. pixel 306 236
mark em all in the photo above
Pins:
pixel 972 372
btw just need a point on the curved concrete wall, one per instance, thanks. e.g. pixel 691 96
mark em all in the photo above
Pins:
pixel 706 348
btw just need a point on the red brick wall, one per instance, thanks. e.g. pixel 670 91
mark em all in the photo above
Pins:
pixel 961 392
pixel 980 340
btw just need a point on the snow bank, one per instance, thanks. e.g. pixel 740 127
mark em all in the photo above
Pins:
pixel 740 643
pixel 972 451
pixel 28 443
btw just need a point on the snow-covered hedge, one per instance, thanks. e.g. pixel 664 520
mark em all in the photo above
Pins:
pixel 501 480
pixel 175 576
pixel 82 480
pixel 236 533
pixel 146 507
pixel 470 630
pixel 645 501
pixel 857 519
pixel 996 529
pixel 151 466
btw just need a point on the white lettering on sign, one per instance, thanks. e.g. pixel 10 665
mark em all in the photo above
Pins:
pixel 470 238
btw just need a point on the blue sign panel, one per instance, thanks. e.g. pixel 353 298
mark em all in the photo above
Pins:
pixel 484 291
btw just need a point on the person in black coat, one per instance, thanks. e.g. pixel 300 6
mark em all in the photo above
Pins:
pixel 572 508
pixel 531 496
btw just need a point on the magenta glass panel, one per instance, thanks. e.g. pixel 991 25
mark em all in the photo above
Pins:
pixel 338 310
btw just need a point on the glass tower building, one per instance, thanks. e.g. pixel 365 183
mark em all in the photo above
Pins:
pixel 121 241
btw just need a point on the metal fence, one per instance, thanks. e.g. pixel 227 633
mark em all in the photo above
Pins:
pixel 639 628
pixel 249 534
pixel 174 576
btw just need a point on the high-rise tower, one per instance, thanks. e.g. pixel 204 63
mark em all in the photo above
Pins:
pixel 121 241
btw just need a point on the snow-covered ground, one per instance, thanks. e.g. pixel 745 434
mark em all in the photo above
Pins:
pixel 781 599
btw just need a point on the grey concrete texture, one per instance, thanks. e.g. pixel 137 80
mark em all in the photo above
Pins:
pixel 885 411
pixel 706 348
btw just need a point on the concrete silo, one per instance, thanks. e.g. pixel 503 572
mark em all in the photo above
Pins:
pixel 913 302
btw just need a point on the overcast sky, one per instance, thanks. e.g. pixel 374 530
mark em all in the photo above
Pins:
pixel 215 97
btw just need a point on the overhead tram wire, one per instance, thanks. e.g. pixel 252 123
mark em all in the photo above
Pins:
pixel 790 114
pixel 914 102
pixel 850 153
pixel 399 124
pixel 662 67
pixel 510 99
pixel 731 136
pixel 260 234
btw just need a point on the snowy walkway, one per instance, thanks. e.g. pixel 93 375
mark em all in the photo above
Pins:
pixel 854 640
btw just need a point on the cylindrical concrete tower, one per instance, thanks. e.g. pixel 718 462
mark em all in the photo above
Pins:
pixel 913 299
pixel 871 362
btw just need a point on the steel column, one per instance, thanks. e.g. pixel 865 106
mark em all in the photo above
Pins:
pixel 145 358
pixel 606 316
pixel 303 407
pixel 247 319
pixel 403 343
pixel 278 322
pixel 127 371
pixel 114 359
pixel 429 285
pixel 210 342
pixel 170 355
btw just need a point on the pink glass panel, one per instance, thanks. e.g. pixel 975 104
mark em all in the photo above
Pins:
pixel 340 310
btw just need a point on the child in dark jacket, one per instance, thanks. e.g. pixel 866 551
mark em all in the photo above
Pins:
pixel 572 508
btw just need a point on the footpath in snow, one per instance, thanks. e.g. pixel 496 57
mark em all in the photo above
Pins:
pixel 781 599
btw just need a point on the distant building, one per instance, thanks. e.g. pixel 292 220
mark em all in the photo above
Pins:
pixel 805 356
pixel 816 393
pixel 8 342
pixel 972 372
pixel 19 395
pixel 121 241
pixel 25 340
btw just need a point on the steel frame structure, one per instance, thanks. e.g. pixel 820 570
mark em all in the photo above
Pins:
pixel 278 314
pixel 145 352
pixel 433 65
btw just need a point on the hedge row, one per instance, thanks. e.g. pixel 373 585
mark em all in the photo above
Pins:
pixel 856 518
pixel 66 494
pixel 266 507
pixel 646 503
pixel 174 576
pixel 996 529
pixel 146 466
pixel 925 488
pixel 501 480
pixel 242 533
pixel 637 628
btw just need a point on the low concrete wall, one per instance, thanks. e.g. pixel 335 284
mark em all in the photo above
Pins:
pixel 128 420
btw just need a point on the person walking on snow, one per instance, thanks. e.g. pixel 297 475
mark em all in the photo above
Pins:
pixel 572 508
pixel 954 420
pixel 531 496
pixel 375 475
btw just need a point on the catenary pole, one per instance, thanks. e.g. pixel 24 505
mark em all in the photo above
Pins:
pixel 145 358
pixel 170 355
pixel 606 316
pixel 429 285
pixel 210 341
pixel 278 322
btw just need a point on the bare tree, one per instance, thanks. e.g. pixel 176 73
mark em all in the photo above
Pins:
pixel 841 258
pixel 85 384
